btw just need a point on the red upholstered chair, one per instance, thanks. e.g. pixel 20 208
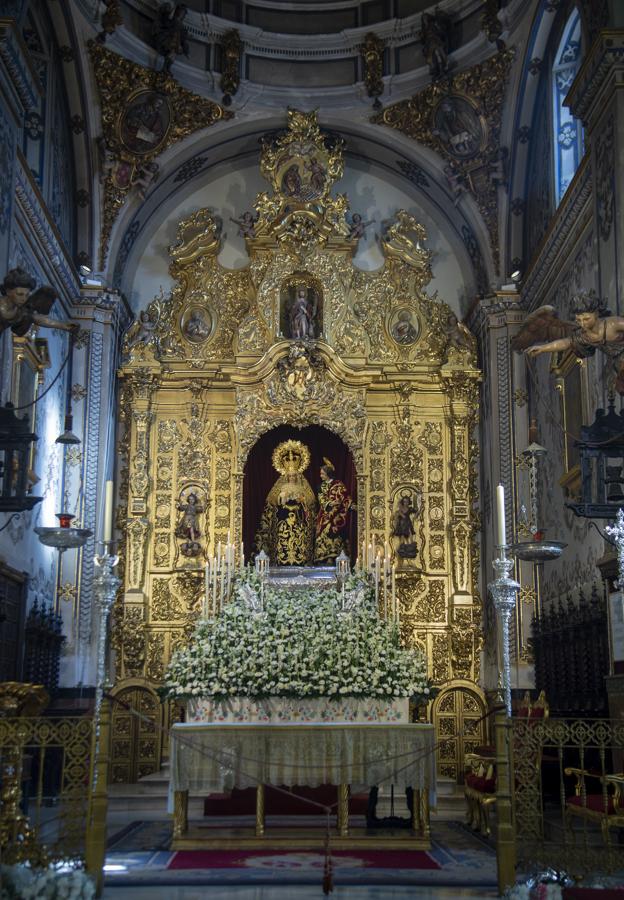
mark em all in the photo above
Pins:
pixel 480 772
pixel 604 807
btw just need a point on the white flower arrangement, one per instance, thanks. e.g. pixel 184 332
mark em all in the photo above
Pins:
pixel 300 643
pixel 34 884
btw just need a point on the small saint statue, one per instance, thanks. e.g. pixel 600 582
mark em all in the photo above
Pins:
pixel 403 527
pixel 188 526
pixel 170 33
pixel 334 504
pixel 21 307
pixel 286 531
pixel 594 329
pixel 302 315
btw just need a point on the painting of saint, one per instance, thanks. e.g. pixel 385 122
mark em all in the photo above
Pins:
pixel 145 122
pixel 403 330
pixel 197 325
pixel 457 124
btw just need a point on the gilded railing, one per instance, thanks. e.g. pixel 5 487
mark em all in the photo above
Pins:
pixel 566 786
pixel 52 795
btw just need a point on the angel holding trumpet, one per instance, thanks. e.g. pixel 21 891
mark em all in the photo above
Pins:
pixel 594 329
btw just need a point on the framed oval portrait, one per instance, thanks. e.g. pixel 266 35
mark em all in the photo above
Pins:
pixel 457 123
pixel 404 327
pixel 144 122
pixel 197 324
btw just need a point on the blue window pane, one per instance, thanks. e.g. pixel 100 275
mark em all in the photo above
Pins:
pixel 568 133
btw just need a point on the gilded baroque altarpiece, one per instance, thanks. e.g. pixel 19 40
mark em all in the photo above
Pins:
pixel 208 370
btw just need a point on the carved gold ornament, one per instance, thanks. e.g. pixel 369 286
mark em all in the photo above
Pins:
pixel 460 118
pixel 143 113
pixel 383 368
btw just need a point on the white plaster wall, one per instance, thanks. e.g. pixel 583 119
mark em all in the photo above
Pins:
pixel 230 193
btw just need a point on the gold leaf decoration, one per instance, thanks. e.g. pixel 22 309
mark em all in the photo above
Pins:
pixel 143 113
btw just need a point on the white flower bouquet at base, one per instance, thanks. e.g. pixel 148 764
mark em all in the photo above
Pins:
pixel 300 644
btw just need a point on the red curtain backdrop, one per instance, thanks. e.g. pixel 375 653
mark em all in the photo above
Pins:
pixel 260 476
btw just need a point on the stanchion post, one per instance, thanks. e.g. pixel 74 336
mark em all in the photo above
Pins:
pixel 505 821
pixel 260 810
pixel 98 803
pixel 343 810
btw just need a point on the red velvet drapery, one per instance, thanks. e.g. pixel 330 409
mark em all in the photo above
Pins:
pixel 260 476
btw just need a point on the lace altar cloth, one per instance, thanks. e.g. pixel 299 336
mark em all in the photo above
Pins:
pixel 276 710
pixel 217 757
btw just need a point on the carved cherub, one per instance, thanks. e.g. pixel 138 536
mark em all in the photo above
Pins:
pixel 459 337
pixel 170 34
pixel 107 158
pixel 21 306
pixel 357 227
pixel 457 182
pixel 142 331
pixel 246 224
pixel 594 329
pixel 144 177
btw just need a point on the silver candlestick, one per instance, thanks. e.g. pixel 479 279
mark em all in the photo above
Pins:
pixel 616 531
pixel 503 590
pixel 105 586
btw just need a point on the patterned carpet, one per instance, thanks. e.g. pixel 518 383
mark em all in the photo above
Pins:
pixel 139 855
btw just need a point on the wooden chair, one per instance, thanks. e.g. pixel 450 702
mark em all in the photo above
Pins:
pixel 605 809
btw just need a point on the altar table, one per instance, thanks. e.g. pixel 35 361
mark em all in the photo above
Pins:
pixel 216 757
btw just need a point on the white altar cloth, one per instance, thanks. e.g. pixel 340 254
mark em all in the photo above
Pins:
pixel 217 757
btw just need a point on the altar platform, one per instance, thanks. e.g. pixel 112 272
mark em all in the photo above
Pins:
pixel 217 757
pixel 311 577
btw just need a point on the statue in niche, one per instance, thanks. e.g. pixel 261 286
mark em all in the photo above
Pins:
pixel 331 521
pixel 188 526
pixel 286 532
pixel 594 329
pixel 403 527
pixel 170 33
pixel 435 36
pixel 301 312
pixel 21 307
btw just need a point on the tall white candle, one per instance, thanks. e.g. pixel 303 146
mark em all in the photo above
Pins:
pixel 108 512
pixel 214 585
pixel 206 588
pixel 242 557
pixel 393 585
pixel 501 538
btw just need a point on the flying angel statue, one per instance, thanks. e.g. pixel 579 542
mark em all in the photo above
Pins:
pixel 594 329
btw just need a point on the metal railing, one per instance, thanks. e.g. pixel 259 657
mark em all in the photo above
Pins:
pixel 53 792
pixel 559 796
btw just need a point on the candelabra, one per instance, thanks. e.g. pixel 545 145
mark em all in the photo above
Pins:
pixel 617 533
pixel 503 591
pixel 220 572
pixel 105 585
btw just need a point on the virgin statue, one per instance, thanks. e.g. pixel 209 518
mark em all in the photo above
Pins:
pixel 331 520
pixel 286 531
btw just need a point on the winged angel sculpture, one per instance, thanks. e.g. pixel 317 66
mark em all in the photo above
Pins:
pixel 594 329
pixel 21 306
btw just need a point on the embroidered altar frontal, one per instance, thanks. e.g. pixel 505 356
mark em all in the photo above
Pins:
pixel 217 758
pixel 273 710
